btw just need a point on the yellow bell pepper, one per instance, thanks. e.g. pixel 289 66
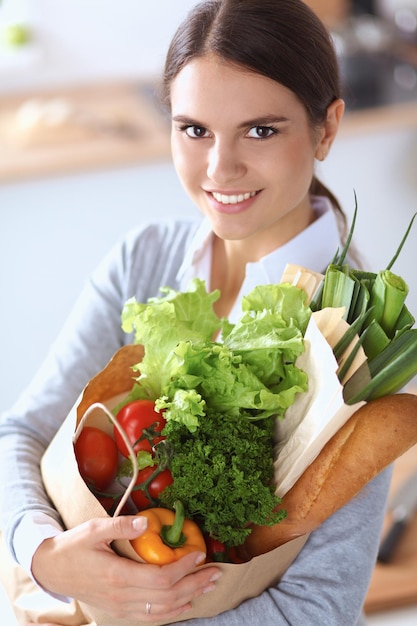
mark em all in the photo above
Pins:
pixel 169 536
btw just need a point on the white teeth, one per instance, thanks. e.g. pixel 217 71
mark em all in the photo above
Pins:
pixel 233 199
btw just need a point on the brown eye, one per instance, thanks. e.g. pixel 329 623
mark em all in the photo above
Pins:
pixel 261 132
pixel 195 132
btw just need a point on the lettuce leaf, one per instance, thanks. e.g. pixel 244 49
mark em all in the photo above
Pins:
pixel 251 374
pixel 161 323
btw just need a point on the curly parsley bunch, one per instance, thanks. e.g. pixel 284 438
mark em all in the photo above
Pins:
pixel 223 474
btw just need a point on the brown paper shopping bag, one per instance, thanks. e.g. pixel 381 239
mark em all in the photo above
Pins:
pixel 77 504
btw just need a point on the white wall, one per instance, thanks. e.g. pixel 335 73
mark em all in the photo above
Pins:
pixel 83 40
pixel 54 231
pixel 52 234
pixel 382 168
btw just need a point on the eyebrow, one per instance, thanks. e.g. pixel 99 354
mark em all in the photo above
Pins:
pixel 259 121
pixel 264 120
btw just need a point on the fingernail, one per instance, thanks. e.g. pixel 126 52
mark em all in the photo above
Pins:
pixel 200 558
pixel 213 579
pixel 139 523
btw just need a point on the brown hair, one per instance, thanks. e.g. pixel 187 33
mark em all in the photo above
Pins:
pixel 281 39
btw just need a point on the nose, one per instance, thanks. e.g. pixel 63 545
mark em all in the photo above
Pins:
pixel 225 163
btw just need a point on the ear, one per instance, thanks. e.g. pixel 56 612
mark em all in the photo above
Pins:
pixel 331 126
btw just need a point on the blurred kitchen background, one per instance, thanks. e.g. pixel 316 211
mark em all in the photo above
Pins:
pixel 84 156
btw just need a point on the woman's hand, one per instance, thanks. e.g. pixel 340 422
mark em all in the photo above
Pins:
pixel 80 564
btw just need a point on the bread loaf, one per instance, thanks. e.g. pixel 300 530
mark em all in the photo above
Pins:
pixel 376 434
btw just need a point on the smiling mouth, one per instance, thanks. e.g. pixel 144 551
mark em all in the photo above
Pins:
pixel 233 199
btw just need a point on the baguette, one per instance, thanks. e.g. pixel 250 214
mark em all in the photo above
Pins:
pixel 377 433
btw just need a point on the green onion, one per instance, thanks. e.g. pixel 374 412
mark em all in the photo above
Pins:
pixel 350 334
pixel 390 370
pixel 341 258
pixel 361 297
pixel 363 287
pixel 375 339
pixel 388 295
pixel 405 320
pixel 343 370
pixel 337 262
pixel 377 315
pixel 403 240
pixel 338 288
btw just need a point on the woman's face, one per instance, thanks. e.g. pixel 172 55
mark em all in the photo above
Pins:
pixel 244 152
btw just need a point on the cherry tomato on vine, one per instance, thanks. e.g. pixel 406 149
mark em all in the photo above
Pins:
pixel 142 425
pixel 97 457
pixel 155 488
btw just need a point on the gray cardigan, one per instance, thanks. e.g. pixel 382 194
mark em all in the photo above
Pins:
pixel 327 583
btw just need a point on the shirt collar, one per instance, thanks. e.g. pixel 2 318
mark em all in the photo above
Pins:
pixel 313 248
pixel 197 257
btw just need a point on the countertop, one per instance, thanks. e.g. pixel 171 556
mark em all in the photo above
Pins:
pixel 80 128
pixel 394 584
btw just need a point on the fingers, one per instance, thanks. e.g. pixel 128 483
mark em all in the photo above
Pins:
pixel 175 586
pixel 162 600
pixel 87 569
pixel 184 566
pixel 122 527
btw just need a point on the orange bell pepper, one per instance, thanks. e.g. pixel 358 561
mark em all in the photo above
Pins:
pixel 169 536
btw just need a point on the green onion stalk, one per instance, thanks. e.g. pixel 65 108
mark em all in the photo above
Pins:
pixel 376 310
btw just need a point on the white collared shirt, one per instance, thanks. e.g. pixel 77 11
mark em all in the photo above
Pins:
pixel 313 248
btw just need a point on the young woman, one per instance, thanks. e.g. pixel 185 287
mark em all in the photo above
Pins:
pixel 252 89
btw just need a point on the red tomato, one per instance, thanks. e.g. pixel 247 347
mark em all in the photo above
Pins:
pixel 155 487
pixel 216 551
pixel 142 425
pixel 97 457
pixel 109 504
